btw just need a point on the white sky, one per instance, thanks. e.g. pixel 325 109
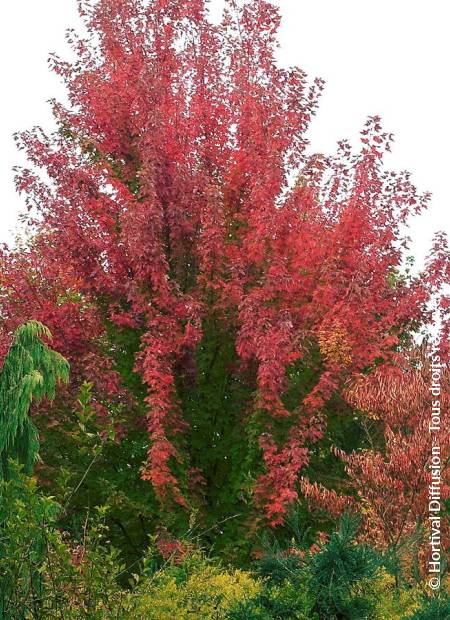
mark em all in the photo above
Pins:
pixel 385 57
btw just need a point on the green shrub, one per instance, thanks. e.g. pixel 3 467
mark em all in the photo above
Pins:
pixel 196 588
pixel 433 609
pixel 42 575
pixel 25 517
pixel 341 574
pixel 282 602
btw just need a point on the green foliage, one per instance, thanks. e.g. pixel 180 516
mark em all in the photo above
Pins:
pixel 42 574
pixel 390 601
pixel 30 370
pixel 278 569
pixel 26 520
pixel 82 577
pixel 284 602
pixel 343 580
pixel 88 463
pixel 45 574
pixel 341 573
pixel 433 609
pixel 215 394
pixel 123 343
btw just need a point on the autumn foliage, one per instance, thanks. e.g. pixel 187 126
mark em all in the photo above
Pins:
pixel 178 218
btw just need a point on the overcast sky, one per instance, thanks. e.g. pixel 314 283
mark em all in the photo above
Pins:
pixel 385 57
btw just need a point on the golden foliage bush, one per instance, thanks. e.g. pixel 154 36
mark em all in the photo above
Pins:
pixel 196 589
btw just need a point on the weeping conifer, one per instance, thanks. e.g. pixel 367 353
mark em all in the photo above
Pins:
pixel 31 370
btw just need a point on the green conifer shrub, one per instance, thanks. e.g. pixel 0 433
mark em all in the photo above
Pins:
pixel 31 370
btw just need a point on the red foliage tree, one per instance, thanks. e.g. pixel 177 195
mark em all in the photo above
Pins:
pixel 178 187
pixel 392 481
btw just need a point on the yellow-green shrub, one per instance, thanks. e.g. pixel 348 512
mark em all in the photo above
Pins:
pixel 392 603
pixel 197 589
